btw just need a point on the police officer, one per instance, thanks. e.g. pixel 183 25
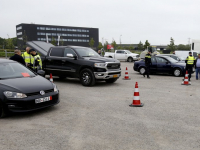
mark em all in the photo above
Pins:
pixel 147 64
pixel 28 58
pixel 37 63
pixel 190 61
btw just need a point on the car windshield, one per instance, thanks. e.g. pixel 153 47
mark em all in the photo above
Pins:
pixel 128 52
pixel 172 59
pixel 86 52
pixel 14 70
pixel 182 58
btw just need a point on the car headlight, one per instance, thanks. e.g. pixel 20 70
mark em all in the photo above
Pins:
pixel 100 65
pixel 55 88
pixel 10 94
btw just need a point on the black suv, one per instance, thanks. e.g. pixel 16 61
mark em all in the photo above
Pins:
pixel 77 62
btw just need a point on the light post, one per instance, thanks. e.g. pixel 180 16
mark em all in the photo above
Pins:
pixel 120 41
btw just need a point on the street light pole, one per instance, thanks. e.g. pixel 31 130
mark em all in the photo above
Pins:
pixel 120 41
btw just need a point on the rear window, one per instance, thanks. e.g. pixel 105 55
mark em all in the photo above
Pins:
pixel 57 52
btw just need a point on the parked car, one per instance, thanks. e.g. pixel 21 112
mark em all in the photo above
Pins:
pixel 125 55
pixel 161 64
pixel 175 57
pixel 22 90
pixel 77 62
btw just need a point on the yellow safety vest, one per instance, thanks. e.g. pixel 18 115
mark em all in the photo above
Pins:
pixel 37 58
pixel 148 56
pixel 190 60
pixel 28 58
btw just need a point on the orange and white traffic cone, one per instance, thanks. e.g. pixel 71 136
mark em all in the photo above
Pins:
pixel 186 82
pixel 136 98
pixel 126 77
pixel 51 78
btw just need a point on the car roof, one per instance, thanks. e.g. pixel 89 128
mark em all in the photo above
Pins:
pixel 2 60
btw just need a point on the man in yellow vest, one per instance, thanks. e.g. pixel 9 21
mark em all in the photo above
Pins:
pixel 190 61
pixel 37 63
pixel 28 58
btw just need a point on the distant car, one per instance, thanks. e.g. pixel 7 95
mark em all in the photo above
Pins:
pixel 176 57
pixel 22 90
pixel 161 64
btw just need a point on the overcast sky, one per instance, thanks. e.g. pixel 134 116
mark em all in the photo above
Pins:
pixel 135 20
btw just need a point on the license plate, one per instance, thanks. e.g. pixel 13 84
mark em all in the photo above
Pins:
pixel 44 99
pixel 115 76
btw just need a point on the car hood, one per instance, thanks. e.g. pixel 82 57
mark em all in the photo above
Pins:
pixel 133 54
pixel 26 85
pixel 180 64
pixel 101 59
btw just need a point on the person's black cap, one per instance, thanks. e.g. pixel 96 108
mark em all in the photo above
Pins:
pixel 190 52
pixel 31 50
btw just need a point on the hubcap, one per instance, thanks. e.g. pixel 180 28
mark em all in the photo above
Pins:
pixel 177 72
pixel 129 59
pixel 142 70
pixel 86 77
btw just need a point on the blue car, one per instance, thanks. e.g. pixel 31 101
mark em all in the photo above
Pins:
pixel 162 64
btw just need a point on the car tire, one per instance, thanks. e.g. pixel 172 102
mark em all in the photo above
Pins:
pixel 177 72
pixel 142 70
pixel 130 59
pixel 110 80
pixel 87 77
pixel 2 111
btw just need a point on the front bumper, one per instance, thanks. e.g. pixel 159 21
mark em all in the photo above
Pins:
pixel 28 104
pixel 136 58
pixel 107 74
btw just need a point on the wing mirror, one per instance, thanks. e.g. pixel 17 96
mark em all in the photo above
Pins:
pixel 167 62
pixel 41 72
pixel 71 56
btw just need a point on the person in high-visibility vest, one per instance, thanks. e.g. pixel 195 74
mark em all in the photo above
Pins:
pixel 190 61
pixel 37 63
pixel 147 64
pixel 28 58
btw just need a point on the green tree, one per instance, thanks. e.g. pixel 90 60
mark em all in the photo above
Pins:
pixel 181 47
pixel 140 46
pixel 91 43
pixel 100 46
pixel 187 47
pixel 9 43
pixel 61 41
pixel 171 46
pixel 114 44
pixel 14 41
pixel 2 42
pixel 119 47
pixel 147 44
pixel 131 47
pixel 53 41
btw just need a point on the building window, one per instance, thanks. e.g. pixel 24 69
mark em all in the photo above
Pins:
pixel 87 35
pixel 48 33
pixel 19 28
pixel 43 39
pixel 80 40
pixel 59 34
pixel 75 35
pixel 84 40
pixel 87 40
pixel 87 30
pixel 47 28
pixel 53 29
pixel 83 35
pixel 38 28
pixel 79 35
pixel 53 34
pixel 74 40
pixel 69 29
pixel 74 30
pixel 70 40
pixel 64 34
pixel 69 34
pixel 40 33
pixel 64 39
pixel 83 30
pixel 42 28
pixel 38 39
pixel 19 33
pixel 63 29
pixel 58 29
pixel 78 30
pixel 19 38
pixel 49 39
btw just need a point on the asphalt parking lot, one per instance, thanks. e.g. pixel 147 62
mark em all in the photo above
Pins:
pixel 99 117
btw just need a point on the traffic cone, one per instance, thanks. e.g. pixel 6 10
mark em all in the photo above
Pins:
pixel 126 77
pixel 136 98
pixel 186 82
pixel 51 78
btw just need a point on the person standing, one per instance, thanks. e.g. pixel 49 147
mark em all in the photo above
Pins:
pixel 190 61
pixel 28 58
pixel 197 67
pixel 147 64
pixel 37 63
pixel 17 57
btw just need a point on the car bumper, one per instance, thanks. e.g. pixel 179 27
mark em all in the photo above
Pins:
pixel 28 104
pixel 107 74
pixel 136 58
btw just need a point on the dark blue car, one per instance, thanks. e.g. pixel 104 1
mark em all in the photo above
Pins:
pixel 161 64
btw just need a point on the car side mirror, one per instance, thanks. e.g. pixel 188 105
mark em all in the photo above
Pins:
pixel 71 56
pixel 41 72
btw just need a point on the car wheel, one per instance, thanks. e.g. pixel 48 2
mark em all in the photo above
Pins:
pixel 110 80
pixel 87 77
pixel 2 111
pixel 130 59
pixel 142 70
pixel 177 72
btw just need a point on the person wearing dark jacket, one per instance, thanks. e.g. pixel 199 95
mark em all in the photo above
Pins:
pixel 17 57
pixel 147 64
pixel 190 61
pixel 197 67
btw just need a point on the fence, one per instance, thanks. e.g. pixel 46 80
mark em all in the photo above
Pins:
pixel 7 53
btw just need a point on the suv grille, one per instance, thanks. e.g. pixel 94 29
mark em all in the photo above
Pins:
pixel 113 66
pixel 38 93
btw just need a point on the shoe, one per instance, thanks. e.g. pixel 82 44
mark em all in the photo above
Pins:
pixel 143 75
pixel 148 77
